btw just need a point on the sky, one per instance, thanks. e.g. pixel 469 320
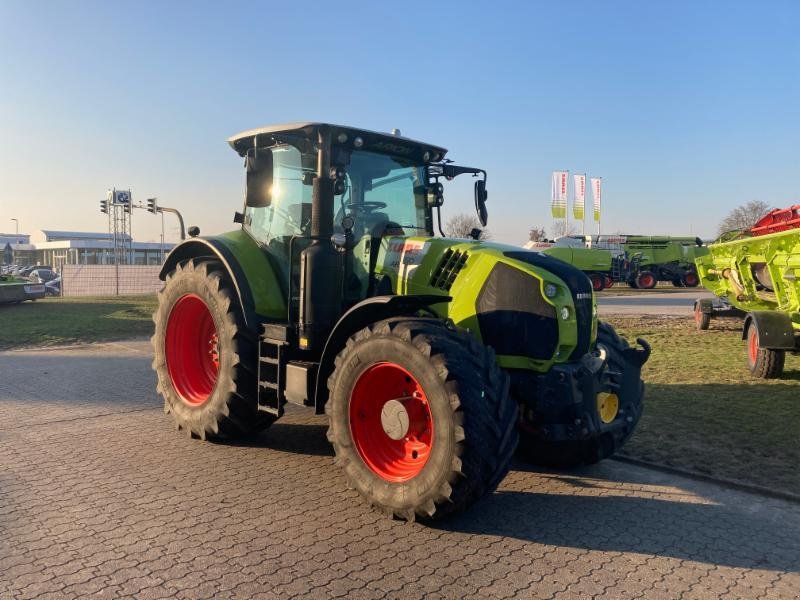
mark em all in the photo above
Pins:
pixel 685 109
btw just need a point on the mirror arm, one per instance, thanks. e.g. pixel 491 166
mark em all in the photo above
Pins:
pixel 439 219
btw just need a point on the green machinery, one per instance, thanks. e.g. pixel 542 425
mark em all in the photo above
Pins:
pixel 755 276
pixel 650 259
pixel 597 264
pixel 434 359
pixel 638 260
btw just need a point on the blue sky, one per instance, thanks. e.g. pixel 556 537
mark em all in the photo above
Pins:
pixel 686 109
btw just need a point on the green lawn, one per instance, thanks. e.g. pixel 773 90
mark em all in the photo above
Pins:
pixel 54 321
pixel 703 410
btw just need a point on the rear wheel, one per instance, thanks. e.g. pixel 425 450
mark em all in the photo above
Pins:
pixel 597 281
pixel 701 319
pixel 646 280
pixel 204 358
pixel 764 363
pixel 420 417
pixel 625 404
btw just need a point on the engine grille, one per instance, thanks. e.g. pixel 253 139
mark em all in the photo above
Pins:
pixel 448 268
pixel 579 286
pixel 513 317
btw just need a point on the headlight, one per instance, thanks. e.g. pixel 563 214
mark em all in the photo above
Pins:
pixel 564 313
pixel 550 290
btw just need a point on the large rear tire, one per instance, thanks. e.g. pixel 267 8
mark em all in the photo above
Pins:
pixel 597 282
pixel 420 417
pixel 571 454
pixel 204 357
pixel 690 279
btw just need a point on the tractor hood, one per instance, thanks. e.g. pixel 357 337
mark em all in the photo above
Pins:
pixel 533 309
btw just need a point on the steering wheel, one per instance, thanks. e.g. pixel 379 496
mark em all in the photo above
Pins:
pixel 366 206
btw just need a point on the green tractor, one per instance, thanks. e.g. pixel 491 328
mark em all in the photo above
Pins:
pixel 433 358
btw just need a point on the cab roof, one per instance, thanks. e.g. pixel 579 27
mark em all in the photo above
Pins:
pixel 374 141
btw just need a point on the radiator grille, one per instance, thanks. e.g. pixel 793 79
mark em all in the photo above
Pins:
pixel 448 268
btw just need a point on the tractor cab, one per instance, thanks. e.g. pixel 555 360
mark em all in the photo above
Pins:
pixel 380 185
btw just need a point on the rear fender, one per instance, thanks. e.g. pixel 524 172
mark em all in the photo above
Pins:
pixel 774 329
pixel 211 249
pixel 359 316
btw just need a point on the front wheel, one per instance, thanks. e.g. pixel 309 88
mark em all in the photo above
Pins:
pixel 646 280
pixel 624 406
pixel 597 282
pixel 420 417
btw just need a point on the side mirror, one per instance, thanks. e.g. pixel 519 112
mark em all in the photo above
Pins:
pixel 258 165
pixel 480 201
pixel 435 195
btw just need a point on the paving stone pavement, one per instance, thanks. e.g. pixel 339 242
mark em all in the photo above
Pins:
pixel 99 496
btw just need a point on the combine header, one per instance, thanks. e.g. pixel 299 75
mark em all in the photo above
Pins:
pixel 757 277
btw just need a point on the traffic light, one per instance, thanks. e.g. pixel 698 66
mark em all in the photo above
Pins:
pixel 104 206
pixel 152 205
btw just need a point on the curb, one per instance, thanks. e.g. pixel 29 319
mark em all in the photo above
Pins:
pixel 720 481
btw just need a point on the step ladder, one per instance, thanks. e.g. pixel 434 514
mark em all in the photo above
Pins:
pixel 272 359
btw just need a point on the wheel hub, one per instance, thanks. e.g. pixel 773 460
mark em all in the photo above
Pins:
pixel 394 419
pixel 191 348
pixel 391 422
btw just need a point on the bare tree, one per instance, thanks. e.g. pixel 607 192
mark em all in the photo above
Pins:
pixel 744 216
pixel 461 225
pixel 536 234
pixel 562 227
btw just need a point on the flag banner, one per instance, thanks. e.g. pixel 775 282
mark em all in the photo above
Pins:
pixel 558 203
pixel 579 197
pixel 597 191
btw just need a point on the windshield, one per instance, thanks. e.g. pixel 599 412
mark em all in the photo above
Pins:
pixel 384 195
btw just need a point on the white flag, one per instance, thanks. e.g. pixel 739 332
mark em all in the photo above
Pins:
pixel 558 203
pixel 597 192
pixel 579 201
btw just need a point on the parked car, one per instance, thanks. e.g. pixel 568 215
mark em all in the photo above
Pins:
pixel 26 271
pixel 53 287
pixel 42 275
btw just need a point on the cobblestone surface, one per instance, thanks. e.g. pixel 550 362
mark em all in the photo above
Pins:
pixel 99 496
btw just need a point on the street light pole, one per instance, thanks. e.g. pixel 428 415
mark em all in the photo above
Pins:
pixel 16 221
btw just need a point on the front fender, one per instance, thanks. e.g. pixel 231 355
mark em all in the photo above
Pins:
pixel 359 316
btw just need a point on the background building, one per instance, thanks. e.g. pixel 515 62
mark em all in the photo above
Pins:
pixel 59 248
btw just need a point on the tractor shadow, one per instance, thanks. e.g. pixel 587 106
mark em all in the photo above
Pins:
pixel 604 514
pixel 286 436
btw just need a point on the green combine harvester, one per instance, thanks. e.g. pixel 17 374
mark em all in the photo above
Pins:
pixel 598 265
pixel 640 261
pixel 434 359
pixel 755 276
pixel 651 259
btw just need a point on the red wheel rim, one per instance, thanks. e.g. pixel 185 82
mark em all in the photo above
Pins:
pixel 597 283
pixel 191 349
pixel 698 314
pixel 752 345
pixel 391 422
pixel 646 281
pixel 691 279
